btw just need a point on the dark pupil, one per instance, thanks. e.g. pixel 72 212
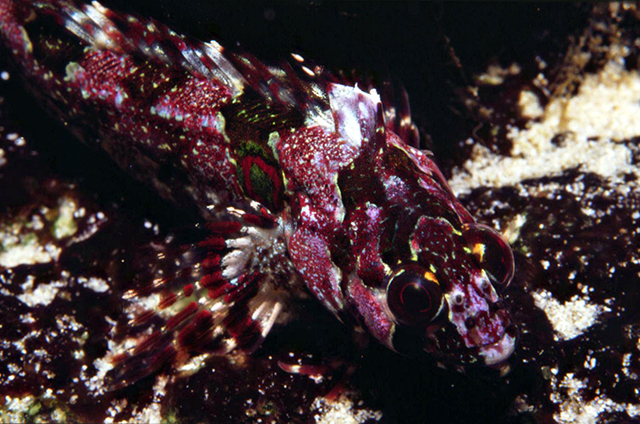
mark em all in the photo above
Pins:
pixel 415 299
pixel 493 252
pixel 496 262
pixel 412 298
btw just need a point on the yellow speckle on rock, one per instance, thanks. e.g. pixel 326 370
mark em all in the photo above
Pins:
pixel 530 105
pixel 495 74
pixel 571 318
pixel 65 224
pixel 343 411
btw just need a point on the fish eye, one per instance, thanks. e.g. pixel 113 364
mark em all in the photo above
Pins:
pixel 414 295
pixel 492 252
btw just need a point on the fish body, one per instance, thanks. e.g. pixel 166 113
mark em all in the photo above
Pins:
pixel 306 183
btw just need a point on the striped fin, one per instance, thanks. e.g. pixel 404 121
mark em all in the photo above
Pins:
pixel 149 40
pixel 103 28
pixel 298 85
pixel 225 294
pixel 397 115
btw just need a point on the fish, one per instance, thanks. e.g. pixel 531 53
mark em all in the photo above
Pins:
pixel 309 185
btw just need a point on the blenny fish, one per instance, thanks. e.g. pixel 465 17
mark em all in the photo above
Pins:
pixel 309 185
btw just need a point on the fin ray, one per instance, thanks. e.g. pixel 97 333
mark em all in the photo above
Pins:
pixel 221 297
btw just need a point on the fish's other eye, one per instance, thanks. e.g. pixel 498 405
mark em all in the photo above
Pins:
pixel 492 252
pixel 414 295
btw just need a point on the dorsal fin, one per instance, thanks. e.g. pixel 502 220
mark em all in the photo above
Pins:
pixel 149 40
pixel 397 115
pixel 300 84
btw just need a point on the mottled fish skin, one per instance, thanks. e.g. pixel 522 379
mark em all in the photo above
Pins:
pixel 305 181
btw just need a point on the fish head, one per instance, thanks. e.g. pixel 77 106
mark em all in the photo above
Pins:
pixel 426 277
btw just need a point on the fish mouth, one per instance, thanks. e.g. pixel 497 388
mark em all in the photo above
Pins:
pixel 497 353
